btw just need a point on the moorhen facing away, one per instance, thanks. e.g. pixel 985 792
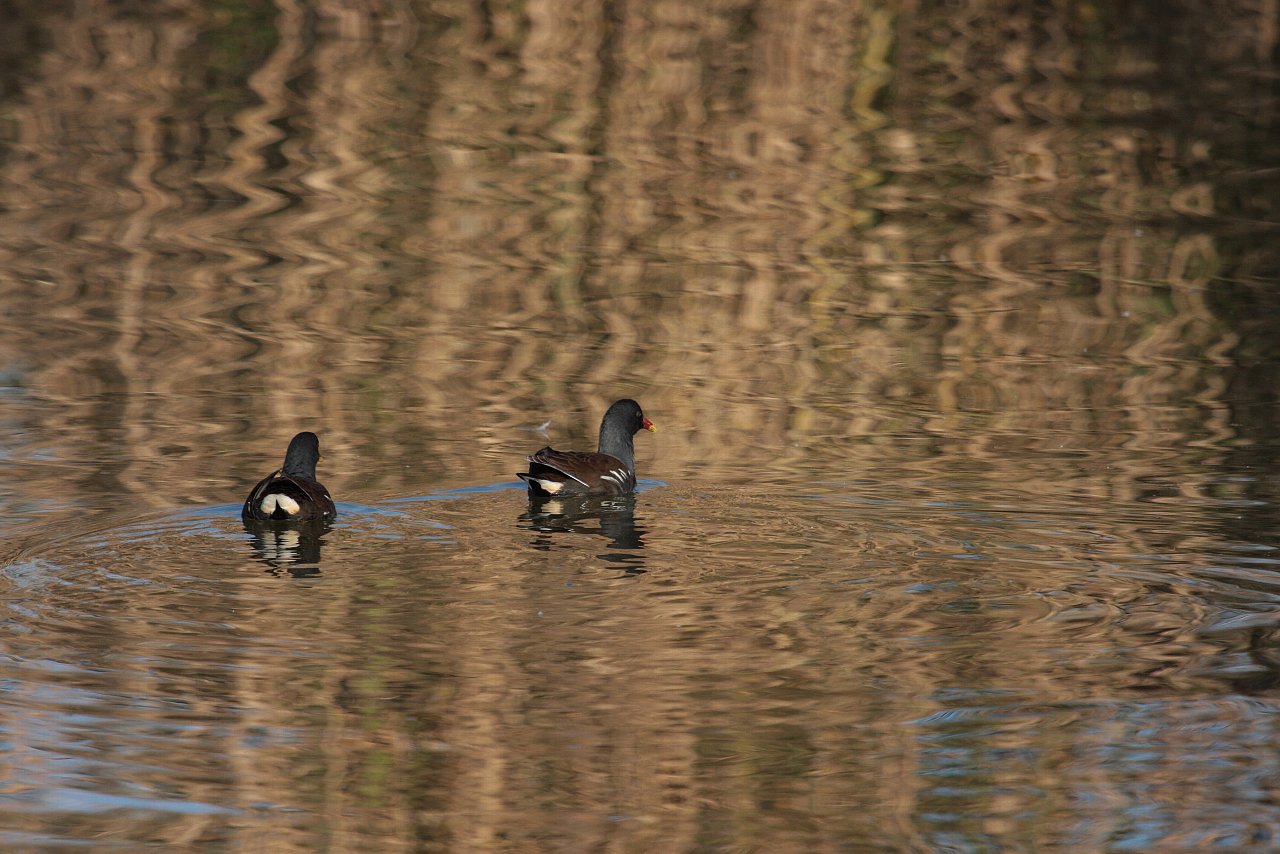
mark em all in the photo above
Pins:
pixel 291 493
pixel 609 471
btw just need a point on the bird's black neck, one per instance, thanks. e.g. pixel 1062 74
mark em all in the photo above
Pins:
pixel 618 443
pixel 299 463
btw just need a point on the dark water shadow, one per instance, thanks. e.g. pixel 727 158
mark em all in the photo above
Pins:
pixel 613 518
pixel 292 547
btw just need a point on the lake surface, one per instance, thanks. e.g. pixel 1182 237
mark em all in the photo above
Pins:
pixel 960 326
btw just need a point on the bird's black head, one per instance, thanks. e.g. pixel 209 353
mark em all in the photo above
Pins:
pixel 628 415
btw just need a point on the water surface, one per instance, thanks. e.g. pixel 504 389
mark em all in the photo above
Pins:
pixel 957 324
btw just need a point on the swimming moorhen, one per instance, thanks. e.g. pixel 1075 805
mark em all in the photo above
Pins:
pixel 292 493
pixel 608 471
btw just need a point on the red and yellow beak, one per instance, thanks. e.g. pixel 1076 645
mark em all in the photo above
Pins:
pixel 650 426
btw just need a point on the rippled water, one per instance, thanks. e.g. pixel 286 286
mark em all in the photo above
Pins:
pixel 958 532
pixel 931 661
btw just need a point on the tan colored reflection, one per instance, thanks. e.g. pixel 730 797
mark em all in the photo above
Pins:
pixel 817 240
pixel 399 271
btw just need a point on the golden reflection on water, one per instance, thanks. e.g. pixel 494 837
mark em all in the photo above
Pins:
pixel 952 318
pixel 452 674
pixel 349 233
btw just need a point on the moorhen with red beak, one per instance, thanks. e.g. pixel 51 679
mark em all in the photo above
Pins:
pixel 609 471
pixel 292 493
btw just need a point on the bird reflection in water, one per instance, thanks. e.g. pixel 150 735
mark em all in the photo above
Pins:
pixel 613 517
pixel 292 547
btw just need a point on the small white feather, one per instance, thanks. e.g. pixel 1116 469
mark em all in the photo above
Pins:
pixel 284 502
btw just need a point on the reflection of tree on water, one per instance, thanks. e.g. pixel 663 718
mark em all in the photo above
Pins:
pixel 612 517
pixel 291 546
